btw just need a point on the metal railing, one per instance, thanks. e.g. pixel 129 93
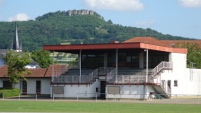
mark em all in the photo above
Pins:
pixel 161 66
pixel 96 97
pixel 104 70
pixel 147 98
pixel 111 76
pixel 80 79
pixel 125 79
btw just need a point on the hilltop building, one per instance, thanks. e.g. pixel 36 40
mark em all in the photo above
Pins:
pixel 79 12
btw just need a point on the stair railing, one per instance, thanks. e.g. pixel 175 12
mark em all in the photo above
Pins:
pixel 111 76
pixel 161 66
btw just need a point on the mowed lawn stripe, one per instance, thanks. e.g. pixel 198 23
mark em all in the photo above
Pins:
pixel 97 107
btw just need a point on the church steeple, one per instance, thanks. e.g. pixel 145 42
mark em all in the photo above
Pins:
pixel 15 44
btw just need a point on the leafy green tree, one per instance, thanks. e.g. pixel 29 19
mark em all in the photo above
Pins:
pixel 16 65
pixel 42 57
pixel 194 54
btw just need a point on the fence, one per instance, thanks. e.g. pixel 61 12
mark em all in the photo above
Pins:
pixel 22 97
pixel 175 99
pixel 158 98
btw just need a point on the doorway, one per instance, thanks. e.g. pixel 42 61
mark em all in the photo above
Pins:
pixel 38 87
pixel 169 84
pixel 102 89
pixel 24 87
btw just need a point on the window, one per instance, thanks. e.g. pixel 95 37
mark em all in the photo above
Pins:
pixel 113 90
pixel 7 84
pixel 175 83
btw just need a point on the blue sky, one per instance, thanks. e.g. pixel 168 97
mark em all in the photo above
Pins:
pixel 174 17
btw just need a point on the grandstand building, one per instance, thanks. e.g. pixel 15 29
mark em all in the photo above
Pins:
pixel 134 69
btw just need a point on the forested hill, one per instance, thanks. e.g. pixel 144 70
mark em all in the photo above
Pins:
pixel 59 27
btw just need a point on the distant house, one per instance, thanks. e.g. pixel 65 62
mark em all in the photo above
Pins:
pixel 135 69
pixel 38 81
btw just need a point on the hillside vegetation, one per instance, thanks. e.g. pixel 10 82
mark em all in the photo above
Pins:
pixel 56 28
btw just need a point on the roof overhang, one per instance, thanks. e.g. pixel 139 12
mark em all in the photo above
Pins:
pixel 111 46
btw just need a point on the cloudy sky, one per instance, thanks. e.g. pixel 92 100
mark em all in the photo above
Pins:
pixel 174 17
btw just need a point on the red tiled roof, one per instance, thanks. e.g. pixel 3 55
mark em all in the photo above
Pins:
pixel 174 42
pixel 148 40
pixel 39 72
pixel 137 42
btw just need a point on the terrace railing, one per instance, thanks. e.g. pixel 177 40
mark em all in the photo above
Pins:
pixel 129 79
pixel 90 78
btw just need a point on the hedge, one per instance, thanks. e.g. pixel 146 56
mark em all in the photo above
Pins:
pixel 5 93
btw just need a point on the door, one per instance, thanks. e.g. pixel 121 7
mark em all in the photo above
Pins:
pixel 102 96
pixel 38 87
pixel 24 87
pixel 169 84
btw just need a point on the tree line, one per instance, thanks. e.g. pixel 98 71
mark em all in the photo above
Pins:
pixel 55 27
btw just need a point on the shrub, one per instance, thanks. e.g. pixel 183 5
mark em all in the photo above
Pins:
pixel 9 92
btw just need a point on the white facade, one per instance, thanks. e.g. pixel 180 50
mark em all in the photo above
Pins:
pixel 183 81
pixel 80 90
pixel 31 85
pixel 131 92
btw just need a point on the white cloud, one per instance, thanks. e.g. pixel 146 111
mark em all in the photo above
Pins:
pixel 119 5
pixel 145 23
pixel 19 17
pixel 190 3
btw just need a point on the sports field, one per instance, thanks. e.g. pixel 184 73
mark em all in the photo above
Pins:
pixel 95 107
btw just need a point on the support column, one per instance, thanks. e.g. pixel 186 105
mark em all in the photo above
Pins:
pixel 53 68
pixel 141 60
pixel 116 64
pixel 147 65
pixel 80 64
pixel 145 84
pixel 105 60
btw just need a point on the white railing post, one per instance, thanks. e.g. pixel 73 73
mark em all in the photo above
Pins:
pixel 53 96
pixel 96 97
pixel 77 96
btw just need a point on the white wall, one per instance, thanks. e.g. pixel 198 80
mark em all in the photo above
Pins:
pixel 45 85
pixel 182 75
pixel 31 85
pixel 1 82
pixel 82 91
pixel 192 81
pixel 131 92
pixel 177 73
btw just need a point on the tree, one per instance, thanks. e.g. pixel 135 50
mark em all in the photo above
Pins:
pixel 194 53
pixel 42 57
pixel 16 65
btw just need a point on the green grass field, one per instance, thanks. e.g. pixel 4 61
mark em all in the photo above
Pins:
pixel 97 107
